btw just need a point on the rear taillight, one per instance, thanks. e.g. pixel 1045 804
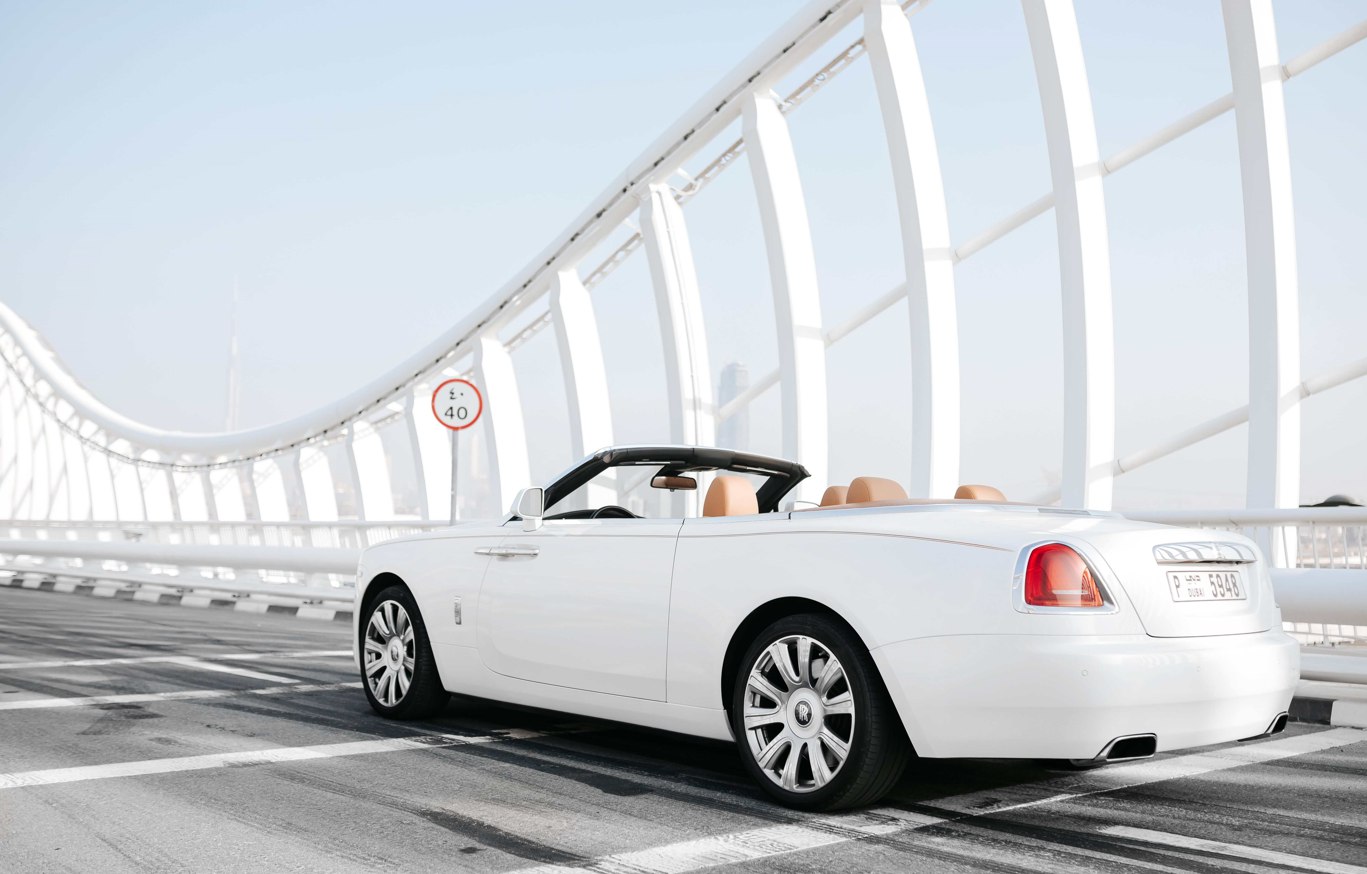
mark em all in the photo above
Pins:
pixel 1056 576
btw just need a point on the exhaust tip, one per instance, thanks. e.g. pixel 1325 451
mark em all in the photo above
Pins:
pixel 1129 747
pixel 1277 727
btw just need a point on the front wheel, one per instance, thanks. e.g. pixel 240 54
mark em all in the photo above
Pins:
pixel 813 722
pixel 398 672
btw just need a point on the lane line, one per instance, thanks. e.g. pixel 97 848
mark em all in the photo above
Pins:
pixel 147 660
pixel 759 843
pixel 229 669
pixel 184 695
pixel 275 755
pixel 1238 851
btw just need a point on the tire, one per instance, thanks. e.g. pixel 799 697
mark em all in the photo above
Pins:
pixel 851 710
pixel 383 674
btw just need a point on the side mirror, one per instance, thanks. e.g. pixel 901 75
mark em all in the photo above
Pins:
pixel 674 483
pixel 531 506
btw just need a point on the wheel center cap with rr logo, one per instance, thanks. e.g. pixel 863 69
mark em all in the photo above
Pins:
pixel 803 713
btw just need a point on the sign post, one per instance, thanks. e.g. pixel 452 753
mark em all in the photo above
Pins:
pixel 457 405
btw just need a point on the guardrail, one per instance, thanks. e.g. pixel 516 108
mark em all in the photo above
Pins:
pixel 337 535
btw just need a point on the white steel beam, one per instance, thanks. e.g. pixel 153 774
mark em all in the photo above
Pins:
pixel 509 470
pixel 433 443
pixel 688 377
pixel 374 494
pixel 927 253
pixel 792 277
pixel 293 481
pixel 1084 253
pixel 1270 249
pixel 586 381
pixel 206 485
pixel 411 426
pixel 174 494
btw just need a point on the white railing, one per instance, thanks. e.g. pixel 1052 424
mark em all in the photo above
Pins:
pixel 335 535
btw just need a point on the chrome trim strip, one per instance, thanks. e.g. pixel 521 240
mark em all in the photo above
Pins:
pixel 1204 552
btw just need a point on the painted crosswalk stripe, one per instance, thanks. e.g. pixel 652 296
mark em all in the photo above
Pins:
pixel 148 660
pixel 1237 851
pixel 184 695
pixel 778 840
pixel 274 755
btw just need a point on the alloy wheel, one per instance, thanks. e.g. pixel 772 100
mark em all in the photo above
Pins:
pixel 389 653
pixel 799 713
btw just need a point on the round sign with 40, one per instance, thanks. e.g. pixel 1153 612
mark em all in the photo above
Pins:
pixel 457 404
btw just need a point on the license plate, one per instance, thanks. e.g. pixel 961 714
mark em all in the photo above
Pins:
pixel 1207 586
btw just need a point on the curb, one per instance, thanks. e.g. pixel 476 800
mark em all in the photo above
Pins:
pixel 1329 711
pixel 122 592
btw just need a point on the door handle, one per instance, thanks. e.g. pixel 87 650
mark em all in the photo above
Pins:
pixel 509 551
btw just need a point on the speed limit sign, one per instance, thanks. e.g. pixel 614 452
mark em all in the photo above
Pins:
pixel 457 404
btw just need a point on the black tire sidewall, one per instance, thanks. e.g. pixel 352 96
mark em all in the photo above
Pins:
pixel 865 686
pixel 420 699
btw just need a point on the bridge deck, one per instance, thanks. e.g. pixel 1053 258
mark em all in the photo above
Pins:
pixel 172 739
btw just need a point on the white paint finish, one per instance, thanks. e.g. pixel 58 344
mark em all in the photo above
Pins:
pixel 227 495
pixel 1241 852
pixel 1000 666
pixel 272 503
pixel 509 470
pixel 148 660
pixel 184 695
pixel 1084 254
pixel 320 494
pixel 272 756
pixel 792 277
pixel 586 381
pixel 210 500
pixel 375 500
pixel 1270 250
pixel 688 375
pixel 433 445
pixel 412 430
pixel 599 589
pixel 777 840
pixel 927 253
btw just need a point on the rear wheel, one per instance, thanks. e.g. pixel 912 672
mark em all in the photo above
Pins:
pixel 398 672
pixel 813 722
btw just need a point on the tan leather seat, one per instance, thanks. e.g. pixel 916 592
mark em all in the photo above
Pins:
pixel 978 493
pixel 730 496
pixel 834 495
pixel 866 489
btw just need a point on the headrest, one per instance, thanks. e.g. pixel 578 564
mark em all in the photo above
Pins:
pixel 730 496
pixel 865 489
pixel 834 495
pixel 979 493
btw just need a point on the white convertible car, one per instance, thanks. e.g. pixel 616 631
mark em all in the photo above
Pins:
pixel 831 642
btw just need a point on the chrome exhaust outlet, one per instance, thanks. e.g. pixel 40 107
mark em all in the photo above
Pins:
pixel 1125 748
pixel 1277 726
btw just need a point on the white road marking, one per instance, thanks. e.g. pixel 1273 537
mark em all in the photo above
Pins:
pixel 1238 851
pixel 788 838
pixel 146 660
pixel 184 695
pixel 201 665
pixel 275 755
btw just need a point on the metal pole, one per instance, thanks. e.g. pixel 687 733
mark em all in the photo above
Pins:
pixel 455 467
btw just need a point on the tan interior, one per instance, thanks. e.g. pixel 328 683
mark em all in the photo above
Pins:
pixel 730 496
pixel 834 495
pixel 866 489
pixel 979 493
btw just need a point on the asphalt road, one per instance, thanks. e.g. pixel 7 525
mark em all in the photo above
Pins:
pixel 138 737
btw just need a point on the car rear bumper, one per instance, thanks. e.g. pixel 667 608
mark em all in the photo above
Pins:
pixel 1065 697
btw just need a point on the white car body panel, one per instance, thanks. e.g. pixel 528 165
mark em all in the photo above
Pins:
pixel 630 620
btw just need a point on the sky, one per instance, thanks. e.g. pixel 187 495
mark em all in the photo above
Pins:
pixel 365 174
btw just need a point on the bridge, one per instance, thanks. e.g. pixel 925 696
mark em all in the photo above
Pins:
pixel 271 519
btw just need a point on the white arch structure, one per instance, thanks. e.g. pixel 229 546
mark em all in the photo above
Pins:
pixel 66 455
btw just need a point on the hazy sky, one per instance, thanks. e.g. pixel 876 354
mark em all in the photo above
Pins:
pixel 366 173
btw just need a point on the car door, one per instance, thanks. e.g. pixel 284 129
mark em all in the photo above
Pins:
pixel 582 604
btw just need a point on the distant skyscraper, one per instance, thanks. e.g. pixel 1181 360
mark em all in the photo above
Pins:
pixel 734 432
